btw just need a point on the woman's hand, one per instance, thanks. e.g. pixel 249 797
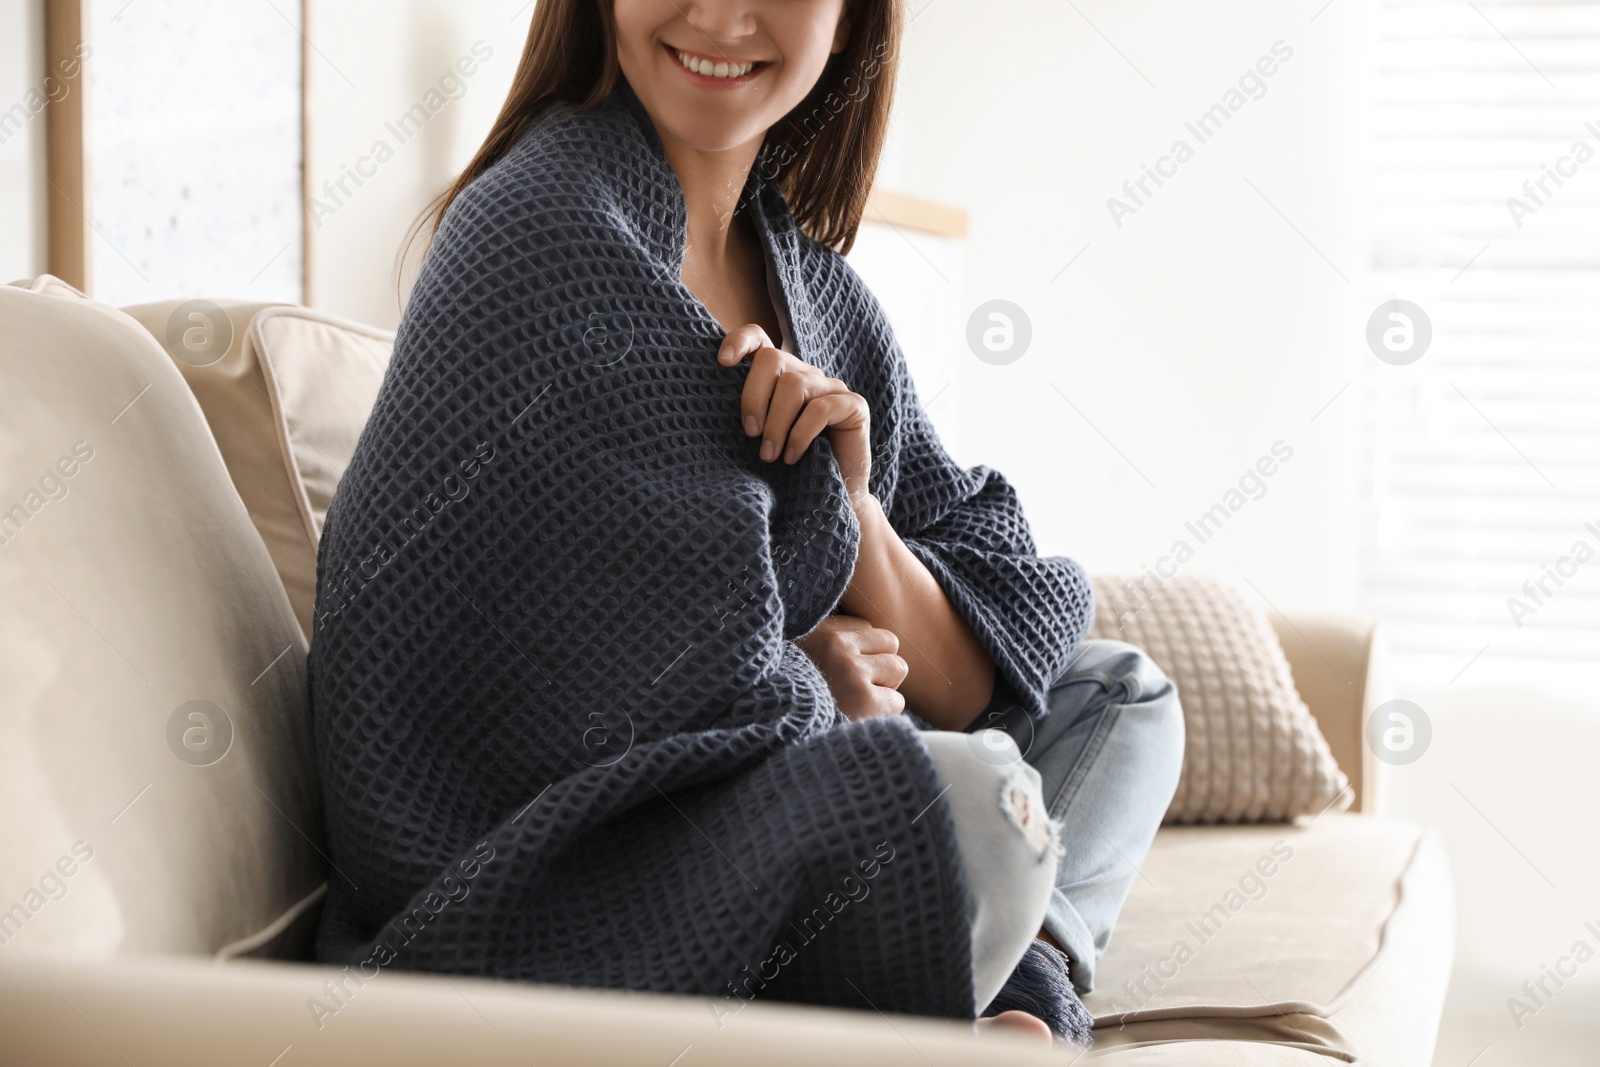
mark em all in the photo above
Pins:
pixel 788 402
pixel 861 663
pixel 947 675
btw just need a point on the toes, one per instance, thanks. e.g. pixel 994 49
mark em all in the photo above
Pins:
pixel 1018 1022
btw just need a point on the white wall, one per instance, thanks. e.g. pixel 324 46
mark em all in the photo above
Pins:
pixel 1509 780
pixel 1200 331
pixel 22 143
pixel 913 275
pixel 375 61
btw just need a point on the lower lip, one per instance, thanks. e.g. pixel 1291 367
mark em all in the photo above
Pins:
pixel 708 82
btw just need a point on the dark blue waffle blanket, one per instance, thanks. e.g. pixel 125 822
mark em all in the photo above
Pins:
pixel 563 731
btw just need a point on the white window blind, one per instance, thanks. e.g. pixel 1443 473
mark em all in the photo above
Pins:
pixel 1483 456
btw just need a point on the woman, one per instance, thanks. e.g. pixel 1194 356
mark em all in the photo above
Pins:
pixel 651 652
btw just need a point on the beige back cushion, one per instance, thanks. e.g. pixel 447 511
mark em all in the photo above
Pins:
pixel 1254 751
pixel 286 391
pixel 155 758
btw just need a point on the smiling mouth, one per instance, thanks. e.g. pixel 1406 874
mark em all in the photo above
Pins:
pixel 718 68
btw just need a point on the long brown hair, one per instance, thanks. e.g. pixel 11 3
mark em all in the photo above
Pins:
pixel 823 154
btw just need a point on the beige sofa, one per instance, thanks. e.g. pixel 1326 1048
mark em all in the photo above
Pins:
pixel 160 872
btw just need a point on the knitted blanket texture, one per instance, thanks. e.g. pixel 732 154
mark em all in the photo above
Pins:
pixel 563 730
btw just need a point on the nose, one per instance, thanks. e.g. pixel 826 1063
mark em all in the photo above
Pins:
pixel 722 22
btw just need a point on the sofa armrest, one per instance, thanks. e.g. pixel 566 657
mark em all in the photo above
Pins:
pixel 1337 661
pixel 181 1011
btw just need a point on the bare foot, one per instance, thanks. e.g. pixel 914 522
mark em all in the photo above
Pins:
pixel 1018 1022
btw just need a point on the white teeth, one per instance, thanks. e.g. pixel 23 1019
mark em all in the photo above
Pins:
pixel 713 70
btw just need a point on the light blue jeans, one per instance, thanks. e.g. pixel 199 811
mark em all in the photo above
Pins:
pixel 1104 762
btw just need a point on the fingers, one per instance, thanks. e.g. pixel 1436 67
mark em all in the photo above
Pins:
pixel 787 403
pixel 889 702
pixel 742 342
pixel 876 660
pixel 766 366
pixel 777 390
pixel 887 671
pixel 874 702
pixel 792 391
pixel 861 663
pixel 869 640
pixel 840 408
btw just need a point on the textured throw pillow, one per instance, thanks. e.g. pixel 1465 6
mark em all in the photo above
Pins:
pixel 286 391
pixel 1254 751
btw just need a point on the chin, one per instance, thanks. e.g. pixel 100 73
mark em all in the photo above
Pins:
pixel 706 134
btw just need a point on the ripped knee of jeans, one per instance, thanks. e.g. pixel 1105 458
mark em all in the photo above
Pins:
pixel 1025 810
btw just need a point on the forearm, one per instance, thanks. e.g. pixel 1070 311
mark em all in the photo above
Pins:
pixel 951 676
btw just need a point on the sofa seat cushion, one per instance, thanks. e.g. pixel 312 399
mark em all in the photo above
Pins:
pixel 1333 937
pixel 1200 1052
